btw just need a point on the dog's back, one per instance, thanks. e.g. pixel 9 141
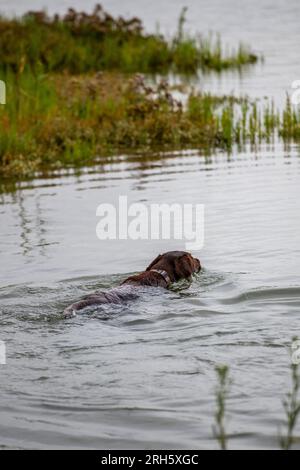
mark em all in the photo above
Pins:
pixel 116 295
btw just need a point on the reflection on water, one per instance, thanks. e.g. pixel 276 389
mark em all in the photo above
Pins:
pixel 141 375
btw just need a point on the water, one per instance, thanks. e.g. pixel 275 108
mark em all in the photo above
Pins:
pixel 142 375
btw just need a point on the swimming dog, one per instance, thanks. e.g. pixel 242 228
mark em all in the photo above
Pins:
pixel 163 271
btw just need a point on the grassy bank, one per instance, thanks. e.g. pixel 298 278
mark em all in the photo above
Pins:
pixel 70 96
pixel 57 121
pixel 64 120
pixel 82 43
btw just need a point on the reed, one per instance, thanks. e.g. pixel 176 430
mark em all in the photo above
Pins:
pixel 291 405
pixel 289 128
pixel 79 42
pixel 222 392
pixel 59 120
pixel 51 121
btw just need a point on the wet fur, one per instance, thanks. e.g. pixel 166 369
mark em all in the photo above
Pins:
pixel 177 264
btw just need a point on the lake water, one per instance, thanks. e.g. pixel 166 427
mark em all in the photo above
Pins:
pixel 142 375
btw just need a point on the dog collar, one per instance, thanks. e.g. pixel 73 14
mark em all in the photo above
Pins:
pixel 164 274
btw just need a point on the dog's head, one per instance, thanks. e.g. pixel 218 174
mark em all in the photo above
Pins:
pixel 178 264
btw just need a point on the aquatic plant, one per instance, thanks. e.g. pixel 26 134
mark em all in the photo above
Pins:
pixel 221 397
pixel 291 406
pixel 79 42
pixel 59 120
pixel 289 127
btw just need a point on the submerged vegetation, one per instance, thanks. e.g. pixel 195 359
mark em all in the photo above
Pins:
pixel 82 43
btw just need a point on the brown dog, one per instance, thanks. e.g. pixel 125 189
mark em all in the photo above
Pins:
pixel 163 271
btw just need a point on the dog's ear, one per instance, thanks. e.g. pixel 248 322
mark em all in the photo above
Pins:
pixel 184 267
pixel 154 262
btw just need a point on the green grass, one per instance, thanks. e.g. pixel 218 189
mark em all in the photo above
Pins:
pixel 52 121
pixel 82 43
pixel 70 96
pixel 222 392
